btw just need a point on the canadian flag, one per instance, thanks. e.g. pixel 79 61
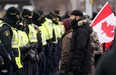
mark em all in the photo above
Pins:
pixel 104 24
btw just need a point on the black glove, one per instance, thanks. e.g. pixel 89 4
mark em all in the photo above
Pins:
pixel 30 46
pixel 30 55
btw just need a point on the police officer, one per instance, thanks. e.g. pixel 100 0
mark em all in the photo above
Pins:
pixel 34 38
pixel 57 14
pixel 5 38
pixel 51 43
pixel 24 45
pixel 58 37
pixel 11 18
pixel 42 62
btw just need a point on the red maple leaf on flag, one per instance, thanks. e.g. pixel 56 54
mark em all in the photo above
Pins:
pixel 108 29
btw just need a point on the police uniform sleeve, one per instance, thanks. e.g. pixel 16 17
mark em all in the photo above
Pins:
pixel 4 53
pixel 5 38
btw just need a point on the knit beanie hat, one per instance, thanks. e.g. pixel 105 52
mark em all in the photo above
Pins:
pixel 77 13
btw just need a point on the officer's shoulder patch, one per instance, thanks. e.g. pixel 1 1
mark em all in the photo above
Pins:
pixel 6 32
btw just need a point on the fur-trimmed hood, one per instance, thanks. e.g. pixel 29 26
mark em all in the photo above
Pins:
pixel 82 22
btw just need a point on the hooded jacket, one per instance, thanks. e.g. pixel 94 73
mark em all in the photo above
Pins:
pixel 65 49
pixel 80 52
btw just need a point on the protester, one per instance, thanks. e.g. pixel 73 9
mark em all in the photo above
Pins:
pixel 80 52
pixel 96 49
pixel 66 22
pixel 65 51
pixel 12 17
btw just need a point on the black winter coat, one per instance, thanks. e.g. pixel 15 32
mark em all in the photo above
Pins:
pixel 80 53
pixel 107 63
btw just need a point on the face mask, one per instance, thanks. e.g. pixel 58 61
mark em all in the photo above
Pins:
pixel 28 20
pixel 13 21
pixel 55 22
pixel 42 20
pixel 37 22
pixel 15 18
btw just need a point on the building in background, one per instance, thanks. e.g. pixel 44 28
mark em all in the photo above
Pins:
pixel 69 5
pixel 51 5
pixel 5 4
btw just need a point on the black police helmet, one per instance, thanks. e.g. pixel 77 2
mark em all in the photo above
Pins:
pixel 77 13
pixel 49 16
pixel 12 11
pixel 36 15
pixel 26 13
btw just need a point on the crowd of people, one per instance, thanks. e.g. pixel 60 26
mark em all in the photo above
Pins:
pixel 32 43
pixel 29 42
